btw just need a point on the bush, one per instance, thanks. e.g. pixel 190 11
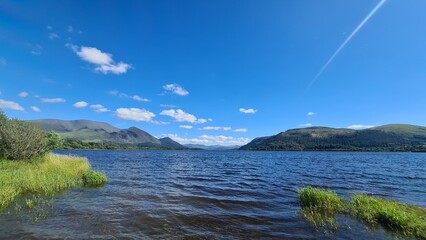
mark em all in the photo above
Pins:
pixel 20 140
pixel 54 141
pixel 94 179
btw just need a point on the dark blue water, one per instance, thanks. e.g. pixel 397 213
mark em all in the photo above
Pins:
pixel 220 195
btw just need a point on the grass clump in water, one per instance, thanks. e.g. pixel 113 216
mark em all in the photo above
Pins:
pixel 320 207
pixel 94 179
pixel 46 175
pixel 407 220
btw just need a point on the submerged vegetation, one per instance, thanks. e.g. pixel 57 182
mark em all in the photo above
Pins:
pixel 94 179
pixel 320 208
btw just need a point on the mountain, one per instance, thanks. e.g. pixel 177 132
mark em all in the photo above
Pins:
pixel 86 131
pixel 170 143
pixel 211 147
pixel 392 137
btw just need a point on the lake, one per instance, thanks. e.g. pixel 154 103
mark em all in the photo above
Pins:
pixel 219 195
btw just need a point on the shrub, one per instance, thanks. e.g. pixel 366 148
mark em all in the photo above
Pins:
pixel 94 179
pixel 54 141
pixel 20 140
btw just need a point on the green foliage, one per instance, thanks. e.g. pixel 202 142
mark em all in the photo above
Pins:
pixel 94 179
pixel 76 144
pixel 385 138
pixel 49 175
pixel 20 140
pixel 409 221
pixel 54 141
pixel 321 200
pixel 320 207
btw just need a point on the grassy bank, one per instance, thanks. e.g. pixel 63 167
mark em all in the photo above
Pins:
pixel 320 207
pixel 45 176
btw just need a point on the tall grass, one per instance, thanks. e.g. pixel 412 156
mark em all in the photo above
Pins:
pixel 46 176
pixel 408 220
pixel 320 207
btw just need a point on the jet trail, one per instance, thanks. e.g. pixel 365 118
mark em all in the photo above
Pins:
pixel 346 42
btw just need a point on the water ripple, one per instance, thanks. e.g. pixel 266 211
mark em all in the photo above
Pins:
pixel 219 194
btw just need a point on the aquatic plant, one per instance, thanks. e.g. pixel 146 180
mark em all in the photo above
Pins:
pixel 407 220
pixel 319 207
pixel 94 179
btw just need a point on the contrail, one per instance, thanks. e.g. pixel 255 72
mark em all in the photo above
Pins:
pixel 346 42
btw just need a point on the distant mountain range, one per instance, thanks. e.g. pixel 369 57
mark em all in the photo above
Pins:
pixel 211 147
pixel 393 137
pixel 101 134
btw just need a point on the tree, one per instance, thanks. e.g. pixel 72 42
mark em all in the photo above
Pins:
pixel 54 141
pixel 20 140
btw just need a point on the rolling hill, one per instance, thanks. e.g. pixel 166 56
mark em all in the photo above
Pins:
pixel 392 137
pixel 86 131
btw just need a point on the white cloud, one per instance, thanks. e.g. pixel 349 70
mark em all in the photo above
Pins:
pixel 103 61
pixel 3 61
pixel 139 99
pixel 10 105
pixel 310 113
pixel 176 89
pixel 135 114
pixel 53 36
pixel 185 126
pixel 99 108
pixel 240 130
pixel 168 106
pixel 305 125
pixel 118 68
pixel 80 104
pixel 201 120
pixel 248 111
pixel 48 27
pixel 70 29
pixel 179 115
pixel 216 128
pixel 53 100
pixel 35 48
pixel 23 94
pixel 359 126
pixel 210 140
pixel 35 109
pixel 124 95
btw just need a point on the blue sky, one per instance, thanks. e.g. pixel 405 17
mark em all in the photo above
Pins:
pixel 215 72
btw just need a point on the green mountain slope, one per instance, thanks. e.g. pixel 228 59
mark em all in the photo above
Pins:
pixel 103 134
pixel 170 143
pixel 394 137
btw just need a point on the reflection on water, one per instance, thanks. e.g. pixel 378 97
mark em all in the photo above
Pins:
pixel 219 195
